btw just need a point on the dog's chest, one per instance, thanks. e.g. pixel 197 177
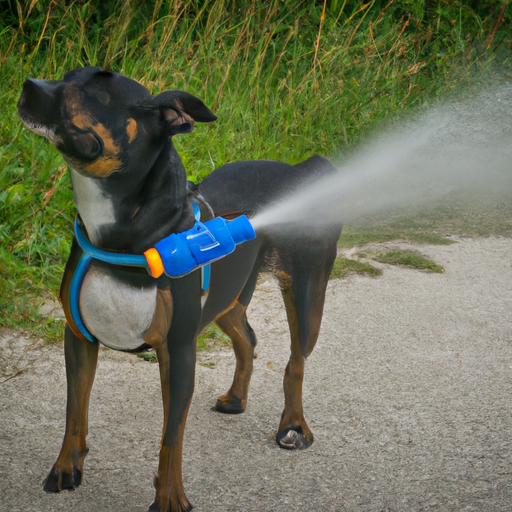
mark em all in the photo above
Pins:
pixel 116 312
pixel 96 209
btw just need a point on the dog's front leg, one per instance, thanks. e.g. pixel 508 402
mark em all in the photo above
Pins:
pixel 177 377
pixel 81 359
pixel 177 358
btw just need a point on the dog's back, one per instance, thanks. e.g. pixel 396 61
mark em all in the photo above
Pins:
pixel 249 186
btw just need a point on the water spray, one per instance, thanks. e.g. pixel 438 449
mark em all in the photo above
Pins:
pixel 463 147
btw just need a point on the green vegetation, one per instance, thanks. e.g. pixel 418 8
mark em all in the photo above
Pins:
pixel 379 233
pixel 286 78
pixel 212 336
pixel 405 257
pixel 462 216
pixel 344 266
pixel 149 356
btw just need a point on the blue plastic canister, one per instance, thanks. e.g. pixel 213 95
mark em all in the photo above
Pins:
pixel 180 253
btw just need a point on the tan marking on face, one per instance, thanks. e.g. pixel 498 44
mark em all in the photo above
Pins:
pixel 103 167
pixel 82 122
pixel 109 162
pixel 131 129
pixel 111 148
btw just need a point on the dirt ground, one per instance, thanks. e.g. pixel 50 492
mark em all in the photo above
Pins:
pixel 408 393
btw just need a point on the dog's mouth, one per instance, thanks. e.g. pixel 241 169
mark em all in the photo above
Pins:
pixel 40 129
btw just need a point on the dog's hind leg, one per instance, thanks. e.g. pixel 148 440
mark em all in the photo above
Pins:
pixel 303 288
pixel 81 359
pixel 234 323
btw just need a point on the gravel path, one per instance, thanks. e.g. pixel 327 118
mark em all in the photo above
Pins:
pixel 408 393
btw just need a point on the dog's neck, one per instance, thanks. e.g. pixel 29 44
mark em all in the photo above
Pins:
pixel 131 211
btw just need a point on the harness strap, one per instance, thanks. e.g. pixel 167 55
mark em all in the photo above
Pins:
pixel 176 255
pixel 132 260
pixel 91 252
pixel 74 295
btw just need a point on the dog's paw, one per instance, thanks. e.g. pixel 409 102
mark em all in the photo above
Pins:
pixel 58 480
pixel 230 404
pixel 171 504
pixel 292 438
pixel 186 507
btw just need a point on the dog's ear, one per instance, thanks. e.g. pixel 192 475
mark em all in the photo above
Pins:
pixel 181 110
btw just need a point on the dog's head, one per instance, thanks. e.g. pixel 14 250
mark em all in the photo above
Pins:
pixel 103 122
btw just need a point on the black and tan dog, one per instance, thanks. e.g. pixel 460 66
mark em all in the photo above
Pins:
pixel 130 190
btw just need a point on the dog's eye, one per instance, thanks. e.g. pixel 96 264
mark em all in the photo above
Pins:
pixel 88 145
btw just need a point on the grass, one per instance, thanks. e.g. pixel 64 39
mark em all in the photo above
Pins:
pixel 286 80
pixel 345 266
pixel 400 257
pixel 463 216
pixel 361 235
pixel 403 257
pixel 148 356
pixel 212 336
pixel 23 289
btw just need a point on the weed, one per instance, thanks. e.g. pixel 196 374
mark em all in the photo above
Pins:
pixel 148 356
pixel 344 266
pixel 405 257
pixel 212 336
pixel 51 330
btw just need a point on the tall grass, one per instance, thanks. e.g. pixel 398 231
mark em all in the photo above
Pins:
pixel 286 79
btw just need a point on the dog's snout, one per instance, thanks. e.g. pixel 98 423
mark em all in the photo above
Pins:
pixel 34 88
pixel 37 102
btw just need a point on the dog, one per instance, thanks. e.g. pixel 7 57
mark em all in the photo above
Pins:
pixel 131 190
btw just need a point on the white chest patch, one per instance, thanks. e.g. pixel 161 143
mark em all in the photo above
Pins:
pixel 116 313
pixel 95 208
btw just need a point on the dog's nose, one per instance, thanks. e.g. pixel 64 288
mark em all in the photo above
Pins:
pixel 43 89
pixel 37 101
